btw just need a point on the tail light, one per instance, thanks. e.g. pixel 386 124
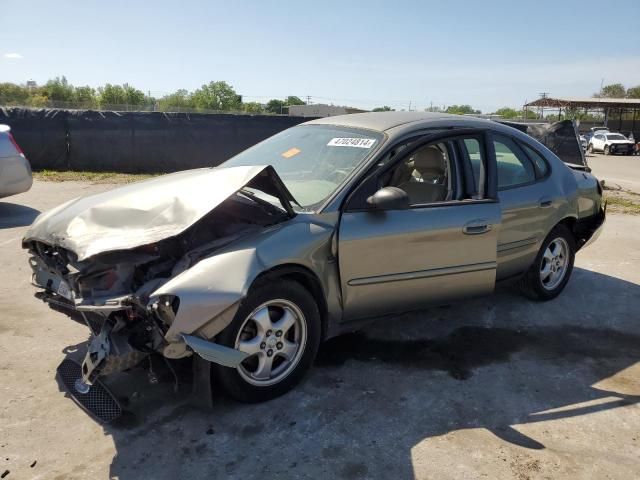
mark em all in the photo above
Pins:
pixel 15 144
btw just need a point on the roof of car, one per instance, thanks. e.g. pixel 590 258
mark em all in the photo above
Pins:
pixel 382 121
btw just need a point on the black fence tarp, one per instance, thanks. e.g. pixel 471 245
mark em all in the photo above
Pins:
pixel 135 142
pixel 42 135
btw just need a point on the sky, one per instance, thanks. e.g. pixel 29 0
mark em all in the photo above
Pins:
pixel 405 54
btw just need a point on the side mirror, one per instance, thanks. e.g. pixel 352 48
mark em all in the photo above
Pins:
pixel 389 198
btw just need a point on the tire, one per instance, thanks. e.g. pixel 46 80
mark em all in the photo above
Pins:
pixel 606 150
pixel 590 149
pixel 274 366
pixel 532 284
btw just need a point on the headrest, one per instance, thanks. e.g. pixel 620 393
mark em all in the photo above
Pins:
pixel 430 160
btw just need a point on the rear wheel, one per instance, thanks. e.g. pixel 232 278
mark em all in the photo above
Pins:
pixel 552 267
pixel 278 327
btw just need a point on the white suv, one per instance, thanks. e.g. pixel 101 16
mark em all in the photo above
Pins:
pixel 610 143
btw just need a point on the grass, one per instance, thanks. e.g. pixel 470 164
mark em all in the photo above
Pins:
pixel 93 177
pixel 622 201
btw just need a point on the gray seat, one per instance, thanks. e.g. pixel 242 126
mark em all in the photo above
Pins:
pixel 428 183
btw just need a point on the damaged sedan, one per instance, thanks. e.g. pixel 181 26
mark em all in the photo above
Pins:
pixel 313 232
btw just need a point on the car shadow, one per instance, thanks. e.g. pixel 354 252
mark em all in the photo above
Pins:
pixel 496 363
pixel 15 215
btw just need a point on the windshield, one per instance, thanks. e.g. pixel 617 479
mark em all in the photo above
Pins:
pixel 311 160
pixel 616 136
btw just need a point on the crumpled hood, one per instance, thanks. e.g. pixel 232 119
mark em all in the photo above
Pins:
pixel 145 212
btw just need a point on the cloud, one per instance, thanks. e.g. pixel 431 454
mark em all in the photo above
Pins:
pixel 12 55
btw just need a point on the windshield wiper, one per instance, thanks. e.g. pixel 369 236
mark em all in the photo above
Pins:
pixel 262 202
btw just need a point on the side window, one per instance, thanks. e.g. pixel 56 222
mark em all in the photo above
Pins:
pixel 541 166
pixel 425 175
pixel 474 152
pixel 514 168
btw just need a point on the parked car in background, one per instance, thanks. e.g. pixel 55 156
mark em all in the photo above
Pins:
pixel 601 128
pixel 15 170
pixel 611 144
pixel 307 235
pixel 584 143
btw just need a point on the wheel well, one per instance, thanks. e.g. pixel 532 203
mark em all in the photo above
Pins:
pixel 305 277
pixel 581 230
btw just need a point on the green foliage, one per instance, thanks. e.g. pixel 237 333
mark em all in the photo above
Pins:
pixel 12 94
pixel 58 90
pixel 633 92
pixel 252 107
pixel 292 100
pixel 461 109
pixel 615 90
pixel 178 101
pixel 383 109
pixel 121 95
pixel 507 113
pixel 216 96
pixel 275 106
pixel 86 97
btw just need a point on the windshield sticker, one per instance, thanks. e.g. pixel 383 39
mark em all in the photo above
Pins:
pixel 352 142
pixel 291 152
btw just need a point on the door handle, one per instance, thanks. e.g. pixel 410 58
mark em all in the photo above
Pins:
pixel 545 202
pixel 476 227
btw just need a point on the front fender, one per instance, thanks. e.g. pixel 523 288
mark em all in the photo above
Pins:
pixel 210 292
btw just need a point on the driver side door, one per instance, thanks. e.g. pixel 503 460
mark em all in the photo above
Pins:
pixel 434 251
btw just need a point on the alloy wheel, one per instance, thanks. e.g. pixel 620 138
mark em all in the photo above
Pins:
pixel 554 264
pixel 274 335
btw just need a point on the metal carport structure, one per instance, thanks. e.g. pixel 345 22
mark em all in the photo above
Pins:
pixel 605 105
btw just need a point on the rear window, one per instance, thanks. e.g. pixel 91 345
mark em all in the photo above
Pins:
pixel 7 149
pixel 616 136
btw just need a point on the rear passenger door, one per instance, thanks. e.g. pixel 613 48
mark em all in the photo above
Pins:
pixel 524 196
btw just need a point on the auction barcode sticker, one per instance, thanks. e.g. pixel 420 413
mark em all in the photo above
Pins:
pixel 352 142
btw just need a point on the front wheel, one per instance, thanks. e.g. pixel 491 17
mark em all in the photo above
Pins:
pixel 278 326
pixel 606 150
pixel 590 149
pixel 553 265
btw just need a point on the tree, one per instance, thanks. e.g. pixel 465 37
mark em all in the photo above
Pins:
pixel 10 93
pixel 85 96
pixel 633 92
pixel 252 107
pixel 507 112
pixel 133 96
pixel 216 96
pixel 383 109
pixel 275 106
pixel 615 90
pixel 58 90
pixel 111 95
pixel 178 100
pixel 292 100
pixel 461 109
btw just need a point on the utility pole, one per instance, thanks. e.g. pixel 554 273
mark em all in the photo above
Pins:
pixel 308 99
pixel 543 95
pixel 409 105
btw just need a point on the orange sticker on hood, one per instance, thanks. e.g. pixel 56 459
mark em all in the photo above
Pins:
pixel 291 152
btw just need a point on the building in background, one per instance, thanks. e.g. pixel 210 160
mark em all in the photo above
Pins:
pixel 320 110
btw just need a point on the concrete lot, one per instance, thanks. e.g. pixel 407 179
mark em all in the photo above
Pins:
pixel 495 388
pixel 620 170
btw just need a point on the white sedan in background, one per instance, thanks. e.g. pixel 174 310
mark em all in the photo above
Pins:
pixel 15 171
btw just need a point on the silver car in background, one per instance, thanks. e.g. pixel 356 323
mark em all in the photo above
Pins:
pixel 15 171
pixel 307 235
